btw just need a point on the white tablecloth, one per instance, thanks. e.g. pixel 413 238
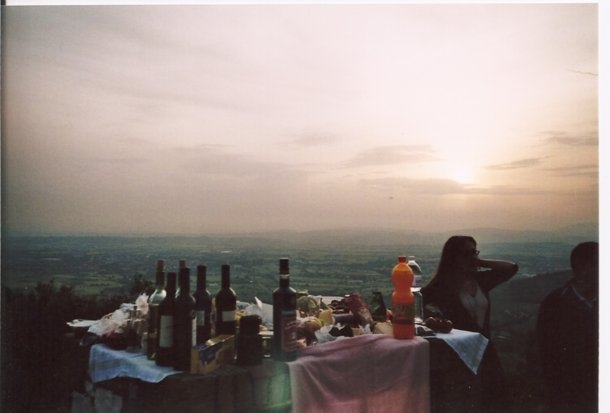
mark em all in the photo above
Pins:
pixel 371 373
pixel 468 345
pixel 106 364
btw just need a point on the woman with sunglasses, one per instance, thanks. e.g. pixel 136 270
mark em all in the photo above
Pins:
pixel 459 291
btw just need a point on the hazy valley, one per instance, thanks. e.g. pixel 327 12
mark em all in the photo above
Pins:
pixel 323 263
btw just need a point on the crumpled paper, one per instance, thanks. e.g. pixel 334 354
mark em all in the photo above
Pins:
pixel 324 335
pixel 117 320
pixel 142 305
pixel 264 311
pixel 110 323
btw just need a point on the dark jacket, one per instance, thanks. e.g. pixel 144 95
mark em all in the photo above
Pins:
pixel 494 395
pixel 567 335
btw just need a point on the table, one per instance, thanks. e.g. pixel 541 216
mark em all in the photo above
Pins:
pixel 129 382
pixel 372 373
pixel 439 380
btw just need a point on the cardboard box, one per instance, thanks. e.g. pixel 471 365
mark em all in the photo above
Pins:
pixel 214 353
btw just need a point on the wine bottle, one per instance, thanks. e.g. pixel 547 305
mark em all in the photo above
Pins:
pixel 181 265
pixel 153 310
pixel 225 303
pixel 165 345
pixel 203 306
pixel 184 322
pixel 284 316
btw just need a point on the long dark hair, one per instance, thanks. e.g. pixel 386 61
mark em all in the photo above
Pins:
pixel 448 272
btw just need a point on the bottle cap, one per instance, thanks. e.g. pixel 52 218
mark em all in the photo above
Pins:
pixel 284 266
pixel 402 258
pixel 225 269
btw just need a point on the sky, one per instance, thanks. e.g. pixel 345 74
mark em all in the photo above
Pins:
pixel 221 118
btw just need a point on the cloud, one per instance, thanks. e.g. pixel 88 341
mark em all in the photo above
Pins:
pixel 575 141
pixel 564 138
pixel 519 164
pixel 508 190
pixel 308 140
pixel 587 171
pixel 120 161
pixel 441 187
pixel 220 169
pixel 394 186
pixel 393 154
pixel 580 72
pixel 109 109
pixel 221 160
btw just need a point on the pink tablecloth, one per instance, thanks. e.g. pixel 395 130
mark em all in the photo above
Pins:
pixel 372 373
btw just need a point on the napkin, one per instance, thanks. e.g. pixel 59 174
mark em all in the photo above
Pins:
pixel 468 345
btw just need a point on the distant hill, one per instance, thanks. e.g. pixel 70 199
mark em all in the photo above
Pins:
pixel 382 237
pixel 373 237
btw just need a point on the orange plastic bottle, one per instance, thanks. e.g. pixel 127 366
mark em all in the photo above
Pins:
pixel 403 302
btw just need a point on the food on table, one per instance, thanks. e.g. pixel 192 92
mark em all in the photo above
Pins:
pixel 446 326
pixel 339 306
pixel 307 329
pixel 360 310
pixel 378 308
pixel 326 317
pixel 115 340
pixel 439 324
pixel 307 306
pixel 344 331
pixel 311 323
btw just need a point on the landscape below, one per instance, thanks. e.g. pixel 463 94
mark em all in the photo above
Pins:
pixel 48 280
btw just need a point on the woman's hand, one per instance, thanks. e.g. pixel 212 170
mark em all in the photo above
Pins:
pixel 502 270
pixel 499 265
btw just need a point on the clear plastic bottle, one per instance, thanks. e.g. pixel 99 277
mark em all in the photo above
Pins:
pixel 416 289
pixel 165 341
pixel 153 309
pixel 417 272
pixel 403 302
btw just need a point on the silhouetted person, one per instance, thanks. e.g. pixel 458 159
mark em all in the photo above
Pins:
pixel 460 292
pixel 568 322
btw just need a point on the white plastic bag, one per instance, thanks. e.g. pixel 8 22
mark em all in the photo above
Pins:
pixel 109 323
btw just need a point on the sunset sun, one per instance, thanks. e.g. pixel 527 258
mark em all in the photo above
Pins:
pixel 462 173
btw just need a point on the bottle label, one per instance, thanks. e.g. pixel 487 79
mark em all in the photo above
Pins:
pixel 194 332
pixel 289 330
pixel 418 307
pixel 228 316
pixel 201 318
pixel 153 317
pixel 404 313
pixel 166 331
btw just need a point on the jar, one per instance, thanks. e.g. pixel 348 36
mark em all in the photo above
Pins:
pixel 249 341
